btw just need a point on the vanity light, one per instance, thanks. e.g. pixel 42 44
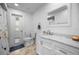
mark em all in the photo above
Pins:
pixel 16 4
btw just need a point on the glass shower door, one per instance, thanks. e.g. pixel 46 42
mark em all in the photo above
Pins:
pixel 16 30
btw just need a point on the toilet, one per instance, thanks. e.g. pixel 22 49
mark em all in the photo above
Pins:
pixel 28 41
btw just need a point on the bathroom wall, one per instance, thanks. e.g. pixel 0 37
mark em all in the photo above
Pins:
pixel 30 21
pixel 41 17
pixel 26 22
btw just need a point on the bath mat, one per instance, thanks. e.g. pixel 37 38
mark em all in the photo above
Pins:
pixel 16 47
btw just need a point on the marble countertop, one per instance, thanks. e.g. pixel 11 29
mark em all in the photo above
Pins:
pixel 61 39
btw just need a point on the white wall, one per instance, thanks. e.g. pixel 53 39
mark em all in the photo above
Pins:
pixel 41 16
pixel 27 24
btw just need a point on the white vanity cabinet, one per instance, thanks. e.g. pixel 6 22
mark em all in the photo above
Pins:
pixel 49 46
pixel 44 47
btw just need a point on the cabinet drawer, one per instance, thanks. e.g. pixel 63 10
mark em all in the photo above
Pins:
pixel 63 50
pixel 66 49
pixel 47 51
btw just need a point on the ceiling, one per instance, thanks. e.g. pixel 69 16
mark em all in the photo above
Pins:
pixel 27 7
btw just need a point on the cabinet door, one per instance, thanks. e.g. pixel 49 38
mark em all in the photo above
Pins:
pixel 46 47
pixel 38 44
pixel 4 48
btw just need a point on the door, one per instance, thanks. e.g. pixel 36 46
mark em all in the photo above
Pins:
pixel 4 47
pixel 16 29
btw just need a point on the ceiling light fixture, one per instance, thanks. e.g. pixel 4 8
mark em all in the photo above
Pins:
pixel 16 4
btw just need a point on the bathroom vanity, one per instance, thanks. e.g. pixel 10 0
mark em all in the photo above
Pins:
pixel 56 45
pixel 60 20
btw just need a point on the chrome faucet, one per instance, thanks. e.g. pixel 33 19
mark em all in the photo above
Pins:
pixel 48 32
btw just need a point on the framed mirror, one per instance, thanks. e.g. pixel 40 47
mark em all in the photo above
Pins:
pixel 60 16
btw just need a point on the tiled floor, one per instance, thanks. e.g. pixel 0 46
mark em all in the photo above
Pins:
pixel 31 50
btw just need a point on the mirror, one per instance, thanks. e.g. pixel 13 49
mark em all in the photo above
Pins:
pixel 60 16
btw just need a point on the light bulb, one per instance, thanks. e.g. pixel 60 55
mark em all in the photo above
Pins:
pixel 16 4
